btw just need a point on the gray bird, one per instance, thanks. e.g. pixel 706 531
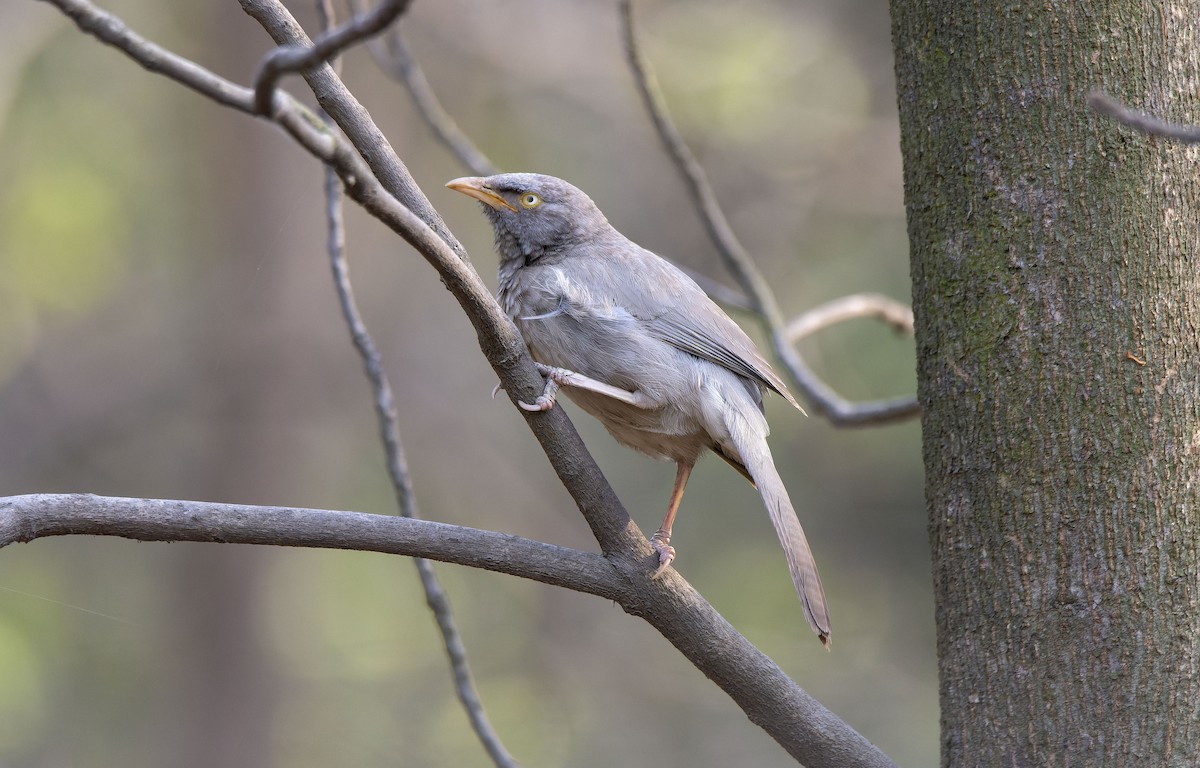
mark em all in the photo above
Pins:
pixel 638 345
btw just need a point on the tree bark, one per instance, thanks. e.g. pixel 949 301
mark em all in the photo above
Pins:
pixel 1056 289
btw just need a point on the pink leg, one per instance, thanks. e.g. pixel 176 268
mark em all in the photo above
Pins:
pixel 661 540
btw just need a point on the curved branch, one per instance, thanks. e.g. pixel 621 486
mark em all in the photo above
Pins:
pixel 1141 121
pixel 896 314
pixel 762 300
pixel 35 516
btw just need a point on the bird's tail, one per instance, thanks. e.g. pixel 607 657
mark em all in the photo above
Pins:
pixel 757 459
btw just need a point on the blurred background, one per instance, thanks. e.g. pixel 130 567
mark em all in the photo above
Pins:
pixel 168 329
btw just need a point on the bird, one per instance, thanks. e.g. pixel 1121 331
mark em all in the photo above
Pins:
pixel 638 345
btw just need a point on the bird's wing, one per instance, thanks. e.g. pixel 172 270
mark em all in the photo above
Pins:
pixel 720 340
pixel 686 318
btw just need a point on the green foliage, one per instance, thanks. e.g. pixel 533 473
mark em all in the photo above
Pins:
pixel 734 72
pixel 64 244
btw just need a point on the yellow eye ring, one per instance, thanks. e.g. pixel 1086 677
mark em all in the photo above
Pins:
pixel 530 200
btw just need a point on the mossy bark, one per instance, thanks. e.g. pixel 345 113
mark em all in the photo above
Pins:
pixel 1056 285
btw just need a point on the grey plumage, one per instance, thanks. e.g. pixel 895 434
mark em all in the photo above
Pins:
pixel 587 299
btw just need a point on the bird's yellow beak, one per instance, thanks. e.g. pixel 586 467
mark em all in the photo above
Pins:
pixel 477 187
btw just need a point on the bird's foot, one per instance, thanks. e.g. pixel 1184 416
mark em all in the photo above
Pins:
pixel 555 377
pixel 660 542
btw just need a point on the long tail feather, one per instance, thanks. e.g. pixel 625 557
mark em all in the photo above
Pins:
pixel 803 567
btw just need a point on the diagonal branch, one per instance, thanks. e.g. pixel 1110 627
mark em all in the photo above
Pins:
pixel 352 117
pixel 385 189
pixel 740 264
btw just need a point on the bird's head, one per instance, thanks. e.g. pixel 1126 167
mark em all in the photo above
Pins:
pixel 534 215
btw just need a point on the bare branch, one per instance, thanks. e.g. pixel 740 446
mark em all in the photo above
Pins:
pixel 736 259
pixel 35 516
pixel 740 264
pixel 394 57
pixel 397 464
pixel 298 57
pixel 1141 121
pixel 354 120
pixel 806 729
pixel 896 314
pixel 327 16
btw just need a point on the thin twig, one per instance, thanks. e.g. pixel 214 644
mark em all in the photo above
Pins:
pixel 1141 121
pixel 354 120
pixel 397 463
pixel 393 56
pixel 296 58
pixel 740 264
pixel 896 314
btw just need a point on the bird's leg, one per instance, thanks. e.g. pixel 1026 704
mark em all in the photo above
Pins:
pixel 556 377
pixel 661 540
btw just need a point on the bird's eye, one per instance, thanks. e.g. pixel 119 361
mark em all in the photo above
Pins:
pixel 530 200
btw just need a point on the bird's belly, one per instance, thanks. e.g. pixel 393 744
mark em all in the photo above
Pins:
pixel 668 429
pixel 664 432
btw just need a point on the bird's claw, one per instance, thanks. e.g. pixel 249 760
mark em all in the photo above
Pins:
pixel 555 377
pixel 661 544
pixel 543 403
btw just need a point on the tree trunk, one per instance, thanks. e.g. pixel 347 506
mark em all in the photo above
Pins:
pixel 1056 290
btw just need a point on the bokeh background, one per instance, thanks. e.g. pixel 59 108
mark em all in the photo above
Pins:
pixel 168 329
